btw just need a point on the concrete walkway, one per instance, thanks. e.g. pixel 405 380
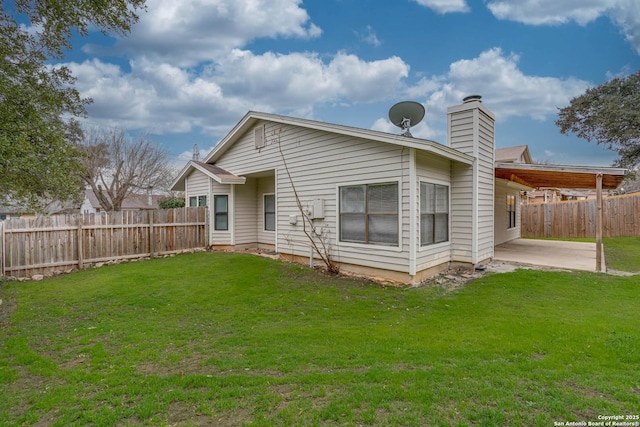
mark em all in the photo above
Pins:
pixel 550 253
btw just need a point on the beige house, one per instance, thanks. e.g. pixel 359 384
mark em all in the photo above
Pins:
pixel 388 205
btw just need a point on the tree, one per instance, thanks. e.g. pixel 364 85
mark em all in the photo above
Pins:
pixel 115 166
pixel 317 236
pixel 610 115
pixel 171 202
pixel 38 104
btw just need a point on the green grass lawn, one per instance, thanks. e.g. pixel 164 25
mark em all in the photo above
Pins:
pixel 231 339
pixel 620 253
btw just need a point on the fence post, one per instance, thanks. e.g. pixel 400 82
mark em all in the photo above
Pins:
pixel 2 249
pixel 151 234
pixel 599 222
pixel 79 245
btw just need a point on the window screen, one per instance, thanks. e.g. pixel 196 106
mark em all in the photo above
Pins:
pixel 434 213
pixel 221 212
pixel 270 212
pixel 369 214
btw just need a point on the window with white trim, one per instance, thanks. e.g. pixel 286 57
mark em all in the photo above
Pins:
pixel 434 213
pixel 511 211
pixel 269 212
pixel 221 212
pixel 369 214
pixel 195 201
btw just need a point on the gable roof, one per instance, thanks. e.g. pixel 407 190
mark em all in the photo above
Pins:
pixel 212 171
pixel 252 117
pixel 513 154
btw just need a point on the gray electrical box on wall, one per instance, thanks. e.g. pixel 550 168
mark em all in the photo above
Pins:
pixel 317 209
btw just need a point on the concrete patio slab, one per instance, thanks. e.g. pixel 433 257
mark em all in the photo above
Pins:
pixel 550 253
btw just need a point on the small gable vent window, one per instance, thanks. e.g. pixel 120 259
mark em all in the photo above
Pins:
pixel 258 136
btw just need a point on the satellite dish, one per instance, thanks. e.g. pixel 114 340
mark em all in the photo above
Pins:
pixel 406 114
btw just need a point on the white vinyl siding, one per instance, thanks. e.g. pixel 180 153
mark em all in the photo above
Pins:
pixel 470 130
pixel 197 189
pixel 486 193
pixel 461 215
pixel 245 213
pixel 436 170
pixel 220 236
pixel 265 185
pixel 320 162
pixel 504 234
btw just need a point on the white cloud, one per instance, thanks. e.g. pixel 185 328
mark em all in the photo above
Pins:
pixel 303 78
pixel 369 36
pixel 188 32
pixel 549 12
pixel 159 98
pixel 505 89
pixel 445 6
pixel 624 13
pixel 421 130
pixel 163 98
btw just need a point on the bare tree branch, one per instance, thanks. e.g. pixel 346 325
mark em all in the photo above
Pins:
pixel 116 166
pixel 318 241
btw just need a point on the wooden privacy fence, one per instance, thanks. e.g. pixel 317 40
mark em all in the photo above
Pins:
pixel 52 244
pixel 570 219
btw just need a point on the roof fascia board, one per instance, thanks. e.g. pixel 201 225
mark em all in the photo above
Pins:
pixel 192 165
pixel 563 168
pixel 218 179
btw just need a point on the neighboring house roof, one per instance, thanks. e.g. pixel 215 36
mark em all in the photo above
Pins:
pixel 517 154
pixel 213 171
pixel 132 202
pixel 13 210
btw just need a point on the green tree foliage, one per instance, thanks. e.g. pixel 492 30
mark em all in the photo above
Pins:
pixel 171 202
pixel 38 103
pixel 610 115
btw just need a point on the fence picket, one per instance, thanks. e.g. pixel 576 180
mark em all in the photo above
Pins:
pixel 45 245
pixel 577 219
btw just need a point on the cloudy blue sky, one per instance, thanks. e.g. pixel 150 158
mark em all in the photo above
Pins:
pixel 191 69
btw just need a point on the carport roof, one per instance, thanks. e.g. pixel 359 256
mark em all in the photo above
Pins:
pixel 559 176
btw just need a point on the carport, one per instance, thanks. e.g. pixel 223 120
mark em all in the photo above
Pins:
pixel 534 176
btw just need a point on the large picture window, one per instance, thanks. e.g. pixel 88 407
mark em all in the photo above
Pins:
pixel 221 212
pixel 511 211
pixel 434 213
pixel 369 214
pixel 270 212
